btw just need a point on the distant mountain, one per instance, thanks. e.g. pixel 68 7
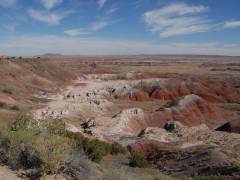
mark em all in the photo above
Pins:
pixel 51 54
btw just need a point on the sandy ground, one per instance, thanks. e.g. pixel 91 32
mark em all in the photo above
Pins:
pixel 88 97
pixel 7 174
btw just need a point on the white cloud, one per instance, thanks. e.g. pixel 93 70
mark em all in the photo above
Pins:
pixel 76 32
pixel 111 11
pixel 34 45
pixel 8 3
pixel 49 4
pixel 47 17
pixel 232 24
pixel 177 19
pixel 101 3
pixel 98 25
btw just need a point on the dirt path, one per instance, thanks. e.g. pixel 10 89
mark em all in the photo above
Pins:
pixel 7 174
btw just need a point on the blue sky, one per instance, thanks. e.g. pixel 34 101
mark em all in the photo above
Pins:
pixel 106 27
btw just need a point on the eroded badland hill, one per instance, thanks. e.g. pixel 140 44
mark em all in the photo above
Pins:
pixel 120 117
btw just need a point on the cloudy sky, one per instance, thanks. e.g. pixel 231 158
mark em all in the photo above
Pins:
pixel 106 27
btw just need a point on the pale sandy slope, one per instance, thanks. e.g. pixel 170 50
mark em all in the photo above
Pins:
pixel 7 174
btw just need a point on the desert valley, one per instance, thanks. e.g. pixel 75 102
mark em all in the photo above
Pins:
pixel 119 90
pixel 120 117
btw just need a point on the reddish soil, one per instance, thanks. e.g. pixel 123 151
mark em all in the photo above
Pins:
pixel 191 111
pixel 212 91
pixel 7 99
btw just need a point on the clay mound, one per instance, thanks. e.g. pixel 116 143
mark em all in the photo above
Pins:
pixel 173 88
pixel 191 110
pixel 140 95
pixel 176 88
pixel 124 119
pixel 135 90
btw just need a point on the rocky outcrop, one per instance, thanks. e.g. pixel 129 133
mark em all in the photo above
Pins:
pixel 190 151
pixel 199 161
pixel 231 127
pixel 89 123
pixel 158 134
pixel 173 126
pixel 185 137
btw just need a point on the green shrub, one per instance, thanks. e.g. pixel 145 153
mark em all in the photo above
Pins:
pixel 118 149
pixel 12 142
pixel 78 166
pixel 47 144
pixel 22 121
pixel 94 148
pixel 43 149
pixel 53 151
pixel 55 126
pixel 138 160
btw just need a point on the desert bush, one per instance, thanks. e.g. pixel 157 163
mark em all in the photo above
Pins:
pixel 138 160
pixel 7 91
pixel 55 126
pixel 25 148
pixel 22 121
pixel 53 151
pixel 78 166
pixel 47 145
pixel 28 157
pixel 118 149
pixel 94 148
pixel 2 104
pixel 15 145
pixel 15 108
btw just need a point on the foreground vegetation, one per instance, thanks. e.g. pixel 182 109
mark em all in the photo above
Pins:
pixel 47 146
